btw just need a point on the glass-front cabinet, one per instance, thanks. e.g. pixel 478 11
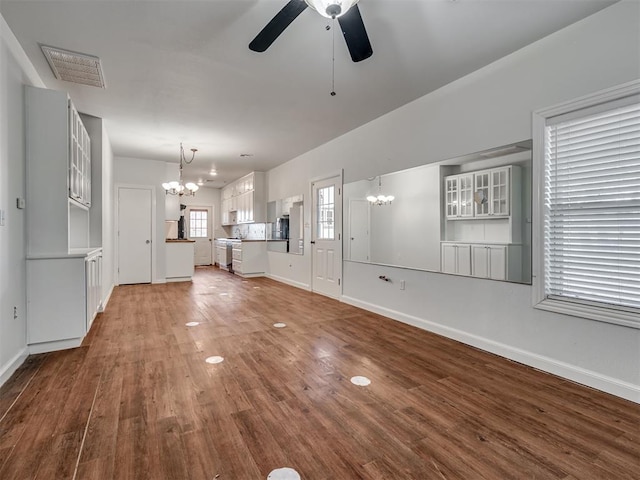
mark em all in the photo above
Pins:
pixel 459 191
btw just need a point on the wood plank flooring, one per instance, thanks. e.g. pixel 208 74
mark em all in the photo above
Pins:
pixel 138 401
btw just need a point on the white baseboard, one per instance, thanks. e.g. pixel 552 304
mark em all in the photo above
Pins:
pixel 178 279
pixel 571 372
pixel 103 304
pixel 12 365
pixel 293 283
pixel 45 347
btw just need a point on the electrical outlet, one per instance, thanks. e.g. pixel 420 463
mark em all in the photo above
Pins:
pixel 1 218
pixel 15 312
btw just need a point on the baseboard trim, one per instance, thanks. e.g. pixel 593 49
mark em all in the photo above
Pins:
pixel 293 283
pixel 12 365
pixel 103 304
pixel 45 347
pixel 571 372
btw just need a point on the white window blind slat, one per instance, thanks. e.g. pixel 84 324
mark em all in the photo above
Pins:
pixel 592 209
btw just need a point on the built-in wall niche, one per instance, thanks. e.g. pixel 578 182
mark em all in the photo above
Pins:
pixel 285 227
pixel 469 215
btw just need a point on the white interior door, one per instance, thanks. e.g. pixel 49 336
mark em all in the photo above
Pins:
pixel 198 228
pixel 359 230
pixel 134 235
pixel 326 237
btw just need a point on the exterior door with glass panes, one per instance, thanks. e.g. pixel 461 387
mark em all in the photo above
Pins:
pixel 326 237
pixel 198 229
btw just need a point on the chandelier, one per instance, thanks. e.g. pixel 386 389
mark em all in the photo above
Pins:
pixel 179 188
pixel 380 199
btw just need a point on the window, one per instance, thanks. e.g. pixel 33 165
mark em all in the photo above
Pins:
pixel 198 224
pixel 325 214
pixel 589 208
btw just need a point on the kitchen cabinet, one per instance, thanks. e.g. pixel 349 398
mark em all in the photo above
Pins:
pixel 63 298
pixel 456 258
pixel 79 159
pixel 243 201
pixel 492 192
pixel 497 261
pixel 459 196
pixel 481 194
pixel 58 173
pixel 249 258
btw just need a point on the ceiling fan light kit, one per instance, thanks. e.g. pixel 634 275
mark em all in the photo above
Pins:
pixel 345 11
pixel 331 8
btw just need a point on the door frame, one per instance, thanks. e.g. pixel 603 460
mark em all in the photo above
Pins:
pixel 210 225
pixel 312 216
pixel 116 229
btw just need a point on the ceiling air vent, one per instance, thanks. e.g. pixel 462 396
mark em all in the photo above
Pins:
pixel 74 67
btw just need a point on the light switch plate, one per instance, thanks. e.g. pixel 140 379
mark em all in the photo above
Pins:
pixel 1 218
pixel 20 202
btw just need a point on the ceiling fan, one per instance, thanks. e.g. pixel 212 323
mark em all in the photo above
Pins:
pixel 345 11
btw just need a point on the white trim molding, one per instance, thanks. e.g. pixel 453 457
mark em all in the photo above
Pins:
pixel 565 370
pixel 539 299
pixel 12 365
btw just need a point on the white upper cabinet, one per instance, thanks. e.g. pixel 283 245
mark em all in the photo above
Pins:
pixel 481 194
pixel 459 196
pixel 58 173
pixel 243 201
pixel 491 192
pixel 79 159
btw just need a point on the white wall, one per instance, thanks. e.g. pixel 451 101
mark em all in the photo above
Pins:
pixel 133 171
pixel 488 108
pixel 12 233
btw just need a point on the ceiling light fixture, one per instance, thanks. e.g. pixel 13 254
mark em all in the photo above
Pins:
pixel 179 188
pixel 331 8
pixel 380 199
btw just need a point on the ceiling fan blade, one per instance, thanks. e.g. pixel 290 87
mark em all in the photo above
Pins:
pixel 355 34
pixel 277 25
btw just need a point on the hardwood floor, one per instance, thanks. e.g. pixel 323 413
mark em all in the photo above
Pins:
pixel 138 400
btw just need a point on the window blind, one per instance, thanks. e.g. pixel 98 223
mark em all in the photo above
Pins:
pixel 592 209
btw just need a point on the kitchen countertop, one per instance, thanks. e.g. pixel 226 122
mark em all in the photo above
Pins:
pixel 178 240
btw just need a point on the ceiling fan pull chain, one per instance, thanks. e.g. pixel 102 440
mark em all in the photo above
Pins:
pixel 333 57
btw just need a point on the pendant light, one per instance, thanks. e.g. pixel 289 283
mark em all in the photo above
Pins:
pixel 380 199
pixel 180 188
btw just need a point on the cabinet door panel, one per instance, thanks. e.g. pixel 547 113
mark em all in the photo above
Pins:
pixel 497 262
pixel 480 261
pixel 449 258
pixel 463 254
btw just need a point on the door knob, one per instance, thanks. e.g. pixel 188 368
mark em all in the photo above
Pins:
pixel 148 242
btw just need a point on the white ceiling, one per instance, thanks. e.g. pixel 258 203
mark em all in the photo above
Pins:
pixel 181 71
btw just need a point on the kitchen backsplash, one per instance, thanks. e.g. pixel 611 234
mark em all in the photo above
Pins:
pixel 250 231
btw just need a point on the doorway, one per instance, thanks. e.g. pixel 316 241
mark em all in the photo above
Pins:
pixel 326 236
pixel 134 234
pixel 199 224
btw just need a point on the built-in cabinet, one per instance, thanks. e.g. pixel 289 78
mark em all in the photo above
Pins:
pixel 63 298
pixel 456 258
pixel 79 159
pixel 480 194
pixel 459 196
pixel 64 271
pixel 249 258
pixel 243 201
pixel 482 232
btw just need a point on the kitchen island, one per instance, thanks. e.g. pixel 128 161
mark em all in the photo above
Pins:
pixel 179 260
